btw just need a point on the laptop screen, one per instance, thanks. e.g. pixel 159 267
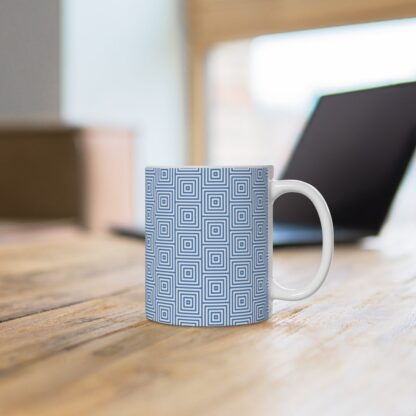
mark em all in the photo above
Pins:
pixel 354 150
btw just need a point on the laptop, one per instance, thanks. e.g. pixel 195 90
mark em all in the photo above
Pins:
pixel 354 149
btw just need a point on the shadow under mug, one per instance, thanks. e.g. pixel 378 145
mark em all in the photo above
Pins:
pixel 209 244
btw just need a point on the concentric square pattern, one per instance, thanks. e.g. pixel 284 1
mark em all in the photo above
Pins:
pixel 207 245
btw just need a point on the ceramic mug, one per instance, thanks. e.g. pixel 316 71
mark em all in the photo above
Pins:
pixel 209 244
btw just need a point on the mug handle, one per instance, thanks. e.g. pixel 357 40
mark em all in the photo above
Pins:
pixel 278 188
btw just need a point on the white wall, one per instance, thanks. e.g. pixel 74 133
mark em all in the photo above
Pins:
pixel 29 59
pixel 123 63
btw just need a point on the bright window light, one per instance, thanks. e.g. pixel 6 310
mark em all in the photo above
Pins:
pixel 293 69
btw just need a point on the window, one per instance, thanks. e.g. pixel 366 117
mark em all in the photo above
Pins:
pixel 261 91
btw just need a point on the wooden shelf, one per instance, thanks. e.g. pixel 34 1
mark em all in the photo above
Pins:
pixel 66 172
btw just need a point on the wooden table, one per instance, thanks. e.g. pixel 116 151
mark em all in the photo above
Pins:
pixel 74 339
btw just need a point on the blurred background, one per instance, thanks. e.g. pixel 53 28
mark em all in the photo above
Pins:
pixel 92 91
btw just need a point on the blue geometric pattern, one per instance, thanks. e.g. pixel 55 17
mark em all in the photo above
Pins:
pixel 207 245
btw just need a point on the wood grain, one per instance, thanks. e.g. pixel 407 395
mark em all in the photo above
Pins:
pixel 350 349
pixel 71 272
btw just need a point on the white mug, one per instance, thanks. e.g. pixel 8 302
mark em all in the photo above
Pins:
pixel 209 244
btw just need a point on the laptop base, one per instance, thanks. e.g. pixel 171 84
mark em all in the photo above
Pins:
pixel 302 235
